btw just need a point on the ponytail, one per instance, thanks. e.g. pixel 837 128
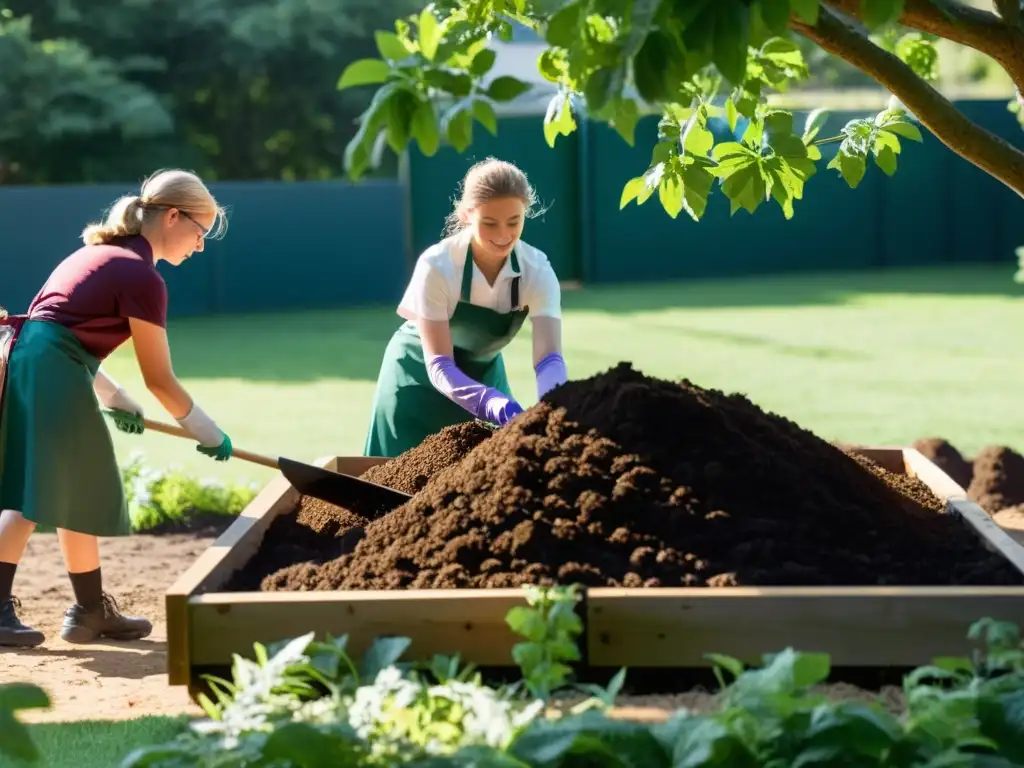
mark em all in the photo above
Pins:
pixel 124 218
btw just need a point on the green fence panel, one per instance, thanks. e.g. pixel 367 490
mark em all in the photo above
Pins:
pixel 288 246
pixel 309 245
pixel 434 185
pixel 833 226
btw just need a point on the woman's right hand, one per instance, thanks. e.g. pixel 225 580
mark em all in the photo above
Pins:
pixel 221 452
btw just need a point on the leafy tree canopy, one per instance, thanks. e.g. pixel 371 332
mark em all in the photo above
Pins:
pixel 690 60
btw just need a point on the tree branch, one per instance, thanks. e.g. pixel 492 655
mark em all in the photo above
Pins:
pixel 981 30
pixel 975 144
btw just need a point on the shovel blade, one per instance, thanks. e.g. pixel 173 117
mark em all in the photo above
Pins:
pixel 360 496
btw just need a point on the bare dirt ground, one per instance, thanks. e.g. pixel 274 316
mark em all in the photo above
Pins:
pixel 109 681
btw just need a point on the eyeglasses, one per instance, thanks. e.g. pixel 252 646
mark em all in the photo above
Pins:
pixel 205 232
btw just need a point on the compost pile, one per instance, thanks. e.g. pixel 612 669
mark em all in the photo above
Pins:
pixel 411 471
pixel 318 532
pixel 626 480
pixel 993 479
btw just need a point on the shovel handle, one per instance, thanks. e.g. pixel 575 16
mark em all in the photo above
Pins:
pixel 236 453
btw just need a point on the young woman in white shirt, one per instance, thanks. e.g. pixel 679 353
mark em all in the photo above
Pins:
pixel 468 297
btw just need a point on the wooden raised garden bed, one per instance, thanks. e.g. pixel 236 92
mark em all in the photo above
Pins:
pixel 634 627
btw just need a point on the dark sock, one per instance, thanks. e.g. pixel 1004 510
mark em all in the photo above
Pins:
pixel 6 580
pixel 88 589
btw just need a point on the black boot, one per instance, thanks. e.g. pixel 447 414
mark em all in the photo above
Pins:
pixel 12 631
pixel 82 625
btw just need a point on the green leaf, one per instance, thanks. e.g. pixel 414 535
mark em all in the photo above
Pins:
pixel 527 656
pixel 745 187
pixel 876 13
pixel 815 121
pixel 457 84
pixel 850 167
pixel 670 193
pixel 601 87
pixel 400 110
pixel 696 139
pixel 633 190
pixel 424 128
pixel 558 120
pixel 650 66
pixel 549 65
pixel 775 14
pixel 484 114
pixel 384 652
pixel 885 159
pixel 563 28
pixel 364 72
pixel 905 129
pixel 732 29
pixel 304 746
pixel 624 119
pixel 390 45
pixel 806 10
pixel 1001 718
pixel 526 622
pixel 857 728
pixel 483 62
pixel 697 183
pixel 15 739
pixel 731 115
pixel 458 127
pixel 429 34
pixel 506 88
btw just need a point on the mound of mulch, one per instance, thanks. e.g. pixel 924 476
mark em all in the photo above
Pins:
pixel 410 471
pixel 946 457
pixel 998 481
pixel 626 480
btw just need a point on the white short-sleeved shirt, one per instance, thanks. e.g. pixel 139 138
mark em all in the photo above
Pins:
pixel 436 283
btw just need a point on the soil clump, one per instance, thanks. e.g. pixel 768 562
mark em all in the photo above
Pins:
pixel 998 481
pixel 410 471
pixel 946 457
pixel 626 480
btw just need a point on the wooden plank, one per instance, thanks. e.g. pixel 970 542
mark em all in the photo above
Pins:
pixel 887 457
pixel 877 626
pixel 979 521
pixel 470 622
pixel 231 550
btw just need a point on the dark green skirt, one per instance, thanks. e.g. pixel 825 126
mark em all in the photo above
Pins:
pixel 57 461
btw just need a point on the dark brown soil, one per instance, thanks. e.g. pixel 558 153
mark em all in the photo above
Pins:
pixel 998 481
pixel 319 532
pixel 947 458
pixel 623 480
pixel 410 471
pixel 316 532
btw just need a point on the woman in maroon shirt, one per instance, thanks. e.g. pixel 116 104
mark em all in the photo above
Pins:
pixel 57 461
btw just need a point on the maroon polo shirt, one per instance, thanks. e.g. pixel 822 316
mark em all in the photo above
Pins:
pixel 96 289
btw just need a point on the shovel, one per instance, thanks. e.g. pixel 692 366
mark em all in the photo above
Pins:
pixel 361 496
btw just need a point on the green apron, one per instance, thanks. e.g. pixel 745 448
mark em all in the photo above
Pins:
pixel 406 407
pixel 57 461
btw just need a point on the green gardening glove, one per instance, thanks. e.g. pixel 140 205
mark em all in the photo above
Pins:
pixel 126 421
pixel 221 452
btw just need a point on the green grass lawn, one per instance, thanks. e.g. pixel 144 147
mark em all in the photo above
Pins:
pixel 97 744
pixel 883 357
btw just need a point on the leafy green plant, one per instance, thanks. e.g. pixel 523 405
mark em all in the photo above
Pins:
pixel 15 740
pixel 307 703
pixel 157 496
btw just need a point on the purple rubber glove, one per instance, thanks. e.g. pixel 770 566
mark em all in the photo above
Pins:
pixel 550 373
pixel 482 401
